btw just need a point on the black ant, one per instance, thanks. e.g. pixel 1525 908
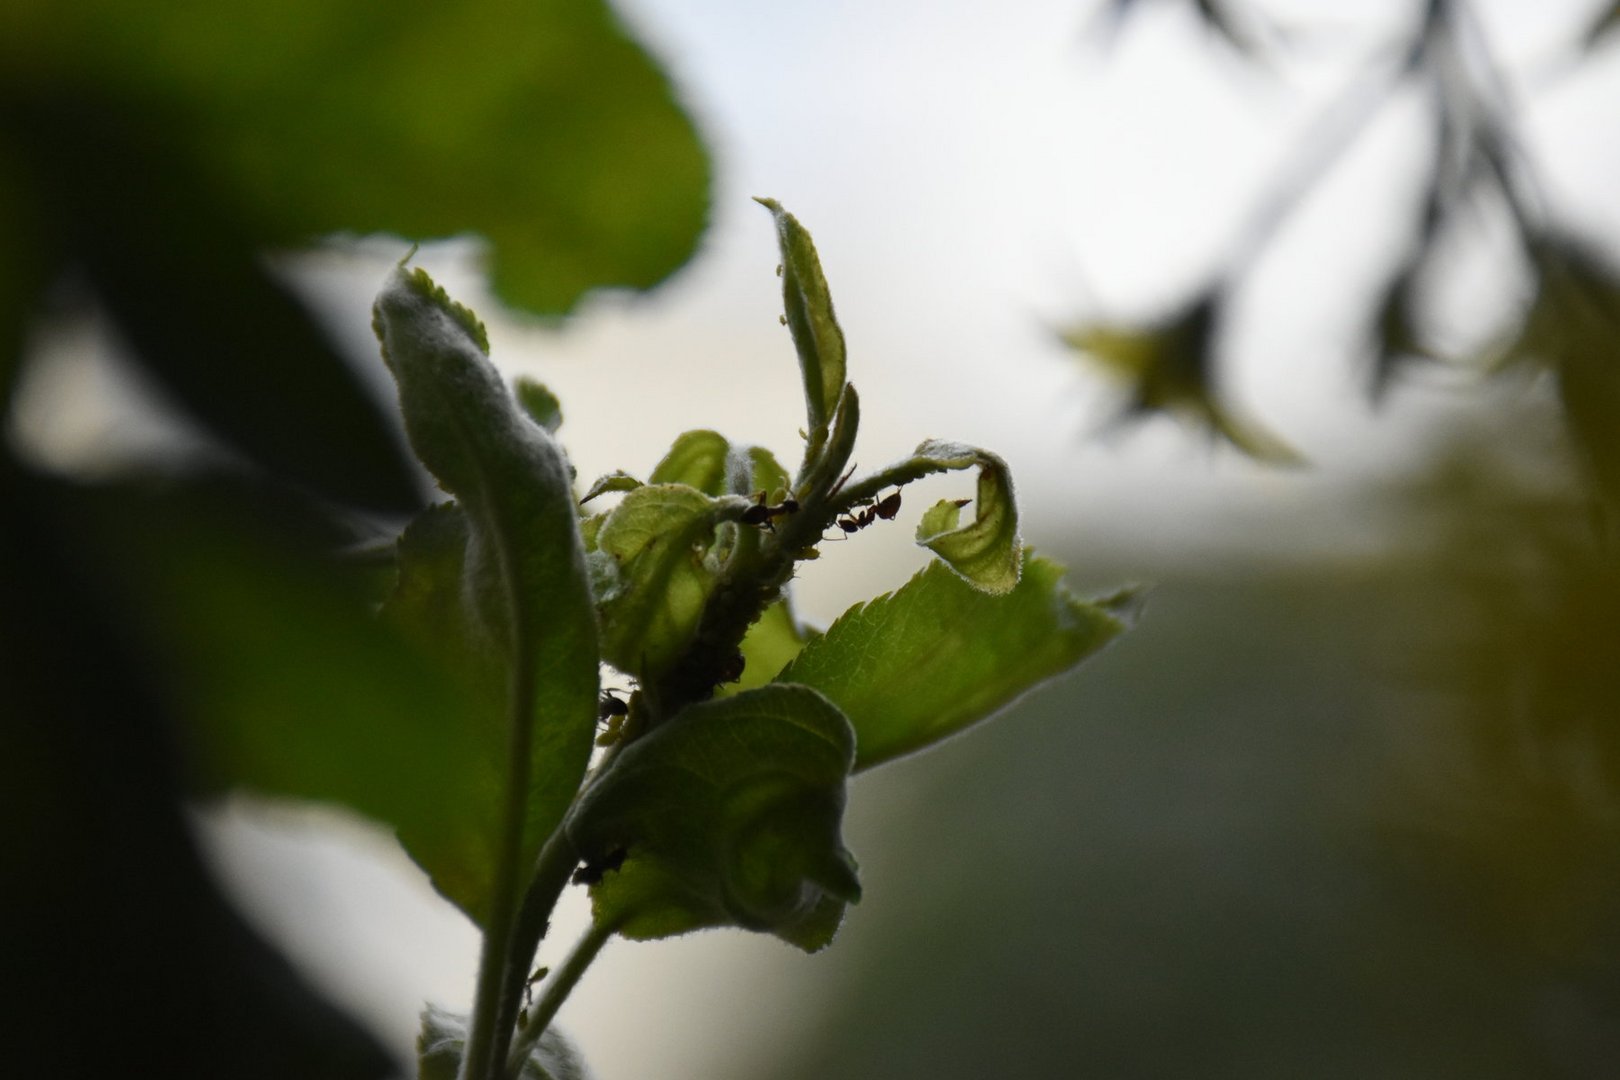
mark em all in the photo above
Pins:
pixel 761 514
pixel 882 510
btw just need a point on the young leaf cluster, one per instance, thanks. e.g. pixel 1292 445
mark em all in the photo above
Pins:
pixel 718 795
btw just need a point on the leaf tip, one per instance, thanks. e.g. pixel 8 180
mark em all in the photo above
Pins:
pixel 1126 604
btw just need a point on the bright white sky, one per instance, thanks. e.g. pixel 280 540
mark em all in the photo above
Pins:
pixel 973 174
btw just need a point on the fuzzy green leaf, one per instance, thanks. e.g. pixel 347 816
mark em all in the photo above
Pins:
pixel 808 306
pixel 753 469
pixel 539 402
pixel 696 459
pixel 653 567
pixel 936 656
pixel 518 595
pixel 728 814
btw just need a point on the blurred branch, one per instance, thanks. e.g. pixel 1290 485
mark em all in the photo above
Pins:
pixel 1478 150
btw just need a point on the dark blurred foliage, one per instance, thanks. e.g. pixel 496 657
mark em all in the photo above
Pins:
pixel 1571 324
pixel 151 156
pixel 1333 816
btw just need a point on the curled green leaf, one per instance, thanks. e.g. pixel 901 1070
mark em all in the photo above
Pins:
pixel 729 814
pixel 617 480
pixel 807 303
pixel 936 656
pixel 985 551
pixel 654 566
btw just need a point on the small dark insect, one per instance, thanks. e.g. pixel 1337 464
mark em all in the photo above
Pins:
pixel 612 705
pixel 528 987
pixel 611 714
pixel 591 871
pixel 884 510
pixel 730 669
pixel 761 514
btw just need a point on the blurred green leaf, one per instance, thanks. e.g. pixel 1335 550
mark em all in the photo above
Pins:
pixel 728 814
pixel 1170 368
pixel 542 127
pixel 817 336
pixel 514 584
pixel 286 684
pixel 107 592
pixel 169 256
pixel 919 664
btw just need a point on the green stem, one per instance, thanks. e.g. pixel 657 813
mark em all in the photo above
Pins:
pixel 552 870
pixel 558 987
pixel 487 1036
pixel 898 475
